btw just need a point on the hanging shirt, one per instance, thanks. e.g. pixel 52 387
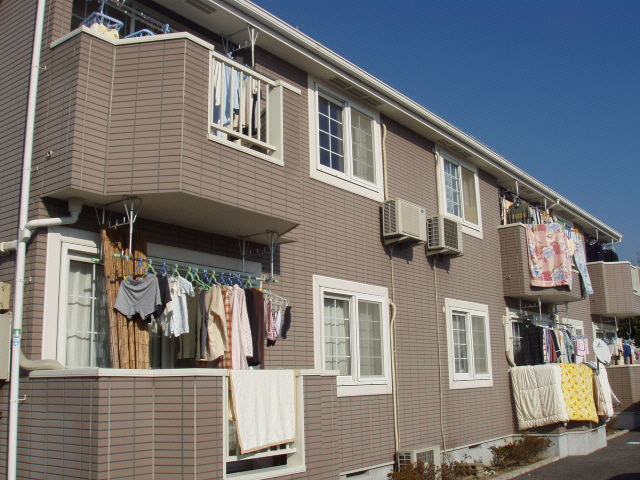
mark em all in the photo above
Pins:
pixel 227 294
pixel 217 342
pixel 204 327
pixel 165 295
pixel 255 309
pixel 138 296
pixel 241 342
pixel 286 324
pixel 189 340
pixel 178 322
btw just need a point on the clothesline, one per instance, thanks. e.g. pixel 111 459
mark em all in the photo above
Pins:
pixel 202 276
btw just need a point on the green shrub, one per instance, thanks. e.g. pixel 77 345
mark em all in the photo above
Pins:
pixel 520 452
pixel 449 470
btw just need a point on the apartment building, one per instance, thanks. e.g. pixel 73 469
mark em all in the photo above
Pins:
pixel 225 140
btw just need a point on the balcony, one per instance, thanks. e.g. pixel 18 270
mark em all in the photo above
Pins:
pixel 515 270
pixel 141 117
pixel 616 288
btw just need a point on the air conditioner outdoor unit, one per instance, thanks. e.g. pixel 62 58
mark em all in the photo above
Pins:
pixel 403 221
pixel 430 455
pixel 445 236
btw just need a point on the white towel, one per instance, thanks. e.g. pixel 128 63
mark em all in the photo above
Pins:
pixel 264 407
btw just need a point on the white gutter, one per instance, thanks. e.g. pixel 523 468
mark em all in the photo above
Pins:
pixel 293 38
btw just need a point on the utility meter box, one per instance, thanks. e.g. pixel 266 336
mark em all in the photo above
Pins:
pixel 5 296
pixel 5 345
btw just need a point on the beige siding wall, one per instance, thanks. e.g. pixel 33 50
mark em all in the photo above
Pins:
pixel 422 363
pixel 162 428
pixel 614 290
pixel 625 383
pixel 133 119
pixel 17 21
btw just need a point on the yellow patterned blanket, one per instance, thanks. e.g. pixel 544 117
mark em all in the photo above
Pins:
pixel 577 387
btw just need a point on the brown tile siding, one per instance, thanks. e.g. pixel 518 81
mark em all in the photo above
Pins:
pixel 133 119
pixel 17 20
pixel 133 428
pixel 625 383
pixel 614 290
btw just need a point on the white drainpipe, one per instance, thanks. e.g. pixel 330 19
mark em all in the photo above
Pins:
pixel 20 245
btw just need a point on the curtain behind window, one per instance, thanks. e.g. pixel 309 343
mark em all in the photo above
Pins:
pixel 469 196
pixel 87 319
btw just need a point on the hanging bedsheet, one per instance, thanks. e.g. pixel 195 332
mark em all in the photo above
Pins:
pixel 537 393
pixel 264 407
pixel 549 260
pixel 577 387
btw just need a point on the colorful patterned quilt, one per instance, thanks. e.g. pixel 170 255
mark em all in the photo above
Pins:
pixel 577 387
pixel 549 260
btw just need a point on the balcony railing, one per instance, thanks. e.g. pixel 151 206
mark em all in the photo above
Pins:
pixel 245 108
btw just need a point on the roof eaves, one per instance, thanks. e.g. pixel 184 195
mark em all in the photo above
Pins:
pixel 324 53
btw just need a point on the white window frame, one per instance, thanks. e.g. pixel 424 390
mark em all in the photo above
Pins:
pixel 575 326
pixel 469 228
pixel 344 180
pixel 467 380
pixel 295 451
pixel 353 385
pixel 635 279
pixel 61 243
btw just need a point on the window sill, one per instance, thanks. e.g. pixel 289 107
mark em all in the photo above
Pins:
pixel 262 473
pixel 373 192
pixel 473 231
pixel 462 384
pixel 351 390
pixel 468 229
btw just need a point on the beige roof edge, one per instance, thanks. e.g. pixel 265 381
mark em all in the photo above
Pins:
pixel 290 33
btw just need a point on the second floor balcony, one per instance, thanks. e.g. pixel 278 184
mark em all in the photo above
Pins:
pixel 616 288
pixel 515 271
pixel 168 119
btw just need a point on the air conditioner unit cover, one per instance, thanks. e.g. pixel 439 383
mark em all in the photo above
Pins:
pixel 444 235
pixel 404 221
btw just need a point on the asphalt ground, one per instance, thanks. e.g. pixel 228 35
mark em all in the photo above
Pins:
pixel 619 460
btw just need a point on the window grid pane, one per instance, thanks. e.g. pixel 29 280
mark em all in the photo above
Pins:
pixel 452 188
pixel 362 146
pixel 87 319
pixel 331 134
pixel 480 363
pixel 370 331
pixel 518 347
pixel 460 343
pixel 469 196
pixel 337 335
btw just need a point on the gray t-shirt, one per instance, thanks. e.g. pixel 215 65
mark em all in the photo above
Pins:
pixel 138 296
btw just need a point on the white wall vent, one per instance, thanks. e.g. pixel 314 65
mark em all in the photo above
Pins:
pixel 428 456
pixel 445 236
pixel 403 222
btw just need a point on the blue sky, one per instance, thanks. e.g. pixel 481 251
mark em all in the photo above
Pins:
pixel 554 86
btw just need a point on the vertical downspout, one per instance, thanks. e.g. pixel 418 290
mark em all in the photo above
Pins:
pixel 23 237
pixel 392 306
